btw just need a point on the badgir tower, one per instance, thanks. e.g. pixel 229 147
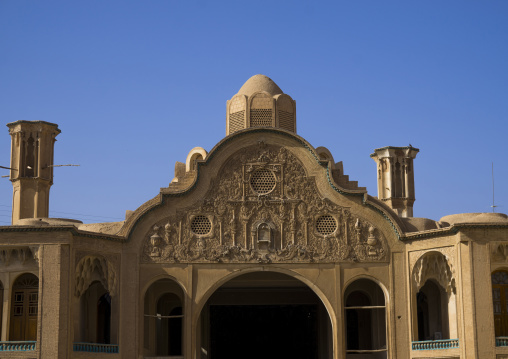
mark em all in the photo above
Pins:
pixel 261 247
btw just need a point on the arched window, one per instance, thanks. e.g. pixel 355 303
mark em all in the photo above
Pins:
pixel 500 302
pixel 24 308
pixel 95 304
pixel 365 312
pixel 164 314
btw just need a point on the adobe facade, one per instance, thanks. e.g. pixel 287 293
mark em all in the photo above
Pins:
pixel 259 247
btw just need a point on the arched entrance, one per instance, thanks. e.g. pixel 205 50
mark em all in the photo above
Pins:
pixel 264 315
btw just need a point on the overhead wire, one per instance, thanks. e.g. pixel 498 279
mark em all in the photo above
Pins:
pixel 81 215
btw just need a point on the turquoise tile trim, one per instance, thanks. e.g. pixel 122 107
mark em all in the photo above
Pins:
pixel 18 346
pixel 95 348
pixel 435 344
pixel 501 341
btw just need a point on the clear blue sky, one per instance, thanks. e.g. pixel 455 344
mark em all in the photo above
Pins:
pixel 134 85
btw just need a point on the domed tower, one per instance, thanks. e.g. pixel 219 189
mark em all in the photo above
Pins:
pixel 260 103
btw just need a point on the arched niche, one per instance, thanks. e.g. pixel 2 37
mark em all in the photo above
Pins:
pixel 434 308
pixel 325 154
pixel 365 320
pixel 95 268
pixel 196 154
pixel 263 234
pixel 95 305
pixel 163 316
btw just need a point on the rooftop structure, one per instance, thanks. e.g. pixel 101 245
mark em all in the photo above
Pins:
pixel 261 247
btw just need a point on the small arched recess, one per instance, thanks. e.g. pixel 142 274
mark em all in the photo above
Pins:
pixel 365 320
pixel 96 303
pixel 163 319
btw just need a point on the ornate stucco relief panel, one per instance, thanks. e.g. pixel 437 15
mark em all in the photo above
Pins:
pixel 92 266
pixel 435 263
pixel 499 252
pixel 262 207
pixel 22 254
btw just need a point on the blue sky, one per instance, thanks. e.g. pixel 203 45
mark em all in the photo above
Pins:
pixel 135 85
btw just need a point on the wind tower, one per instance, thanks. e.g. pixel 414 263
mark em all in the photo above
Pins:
pixel 395 177
pixel 32 144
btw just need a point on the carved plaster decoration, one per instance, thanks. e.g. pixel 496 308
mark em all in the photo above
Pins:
pixel 22 254
pixel 448 252
pixel 499 252
pixel 91 268
pixel 263 236
pixel 262 207
pixel 156 242
pixel 5 256
pixel 35 253
pixel 434 265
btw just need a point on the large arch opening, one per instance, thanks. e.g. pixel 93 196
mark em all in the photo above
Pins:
pixel 264 315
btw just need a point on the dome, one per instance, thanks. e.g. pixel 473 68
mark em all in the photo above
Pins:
pixel 259 83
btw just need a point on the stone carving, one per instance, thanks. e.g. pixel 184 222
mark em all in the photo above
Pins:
pixel 91 268
pixel 434 265
pixel 263 208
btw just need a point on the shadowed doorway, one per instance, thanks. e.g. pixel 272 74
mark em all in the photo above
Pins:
pixel 265 315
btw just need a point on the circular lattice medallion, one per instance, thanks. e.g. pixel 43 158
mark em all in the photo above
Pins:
pixel 326 225
pixel 263 181
pixel 201 225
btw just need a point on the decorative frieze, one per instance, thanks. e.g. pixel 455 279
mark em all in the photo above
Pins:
pixel 263 208
pixel 434 265
pixel 21 255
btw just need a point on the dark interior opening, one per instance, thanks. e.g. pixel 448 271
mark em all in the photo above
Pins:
pixel 263 331
pixel 104 319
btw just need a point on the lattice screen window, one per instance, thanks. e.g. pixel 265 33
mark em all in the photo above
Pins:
pixel 201 225
pixel 33 304
pixel 286 121
pixel 263 181
pixel 261 117
pixel 236 121
pixel 326 225
pixel 19 298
